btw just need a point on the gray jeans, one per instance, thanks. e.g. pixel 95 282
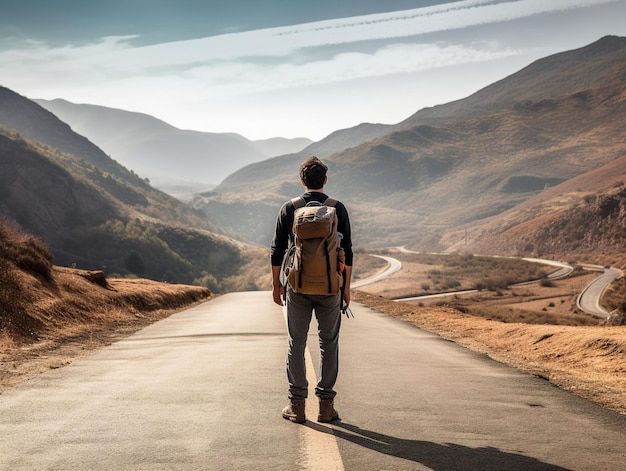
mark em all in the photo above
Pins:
pixel 328 313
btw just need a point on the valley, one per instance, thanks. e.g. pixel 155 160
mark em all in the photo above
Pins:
pixel 533 165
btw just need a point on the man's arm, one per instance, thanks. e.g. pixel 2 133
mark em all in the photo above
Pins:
pixel 346 285
pixel 278 291
pixel 277 252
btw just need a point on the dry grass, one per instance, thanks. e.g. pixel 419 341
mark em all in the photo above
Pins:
pixel 6 341
pixel 425 274
pixel 554 303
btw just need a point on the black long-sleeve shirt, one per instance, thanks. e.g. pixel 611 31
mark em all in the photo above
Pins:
pixel 284 225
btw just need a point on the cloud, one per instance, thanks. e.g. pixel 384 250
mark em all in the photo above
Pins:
pixel 234 78
pixel 234 63
pixel 213 70
pixel 288 40
pixel 118 55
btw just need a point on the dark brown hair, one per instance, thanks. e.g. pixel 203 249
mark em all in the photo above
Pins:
pixel 313 173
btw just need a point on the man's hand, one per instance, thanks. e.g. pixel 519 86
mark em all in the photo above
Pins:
pixel 346 296
pixel 278 292
pixel 346 284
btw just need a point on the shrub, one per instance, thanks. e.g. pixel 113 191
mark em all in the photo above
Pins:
pixel 134 263
pixel 10 293
pixel 27 252
pixel 453 283
pixel 34 256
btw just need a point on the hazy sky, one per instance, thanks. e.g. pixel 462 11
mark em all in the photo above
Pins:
pixel 284 67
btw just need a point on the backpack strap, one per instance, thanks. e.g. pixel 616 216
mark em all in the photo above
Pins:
pixel 298 202
pixel 332 202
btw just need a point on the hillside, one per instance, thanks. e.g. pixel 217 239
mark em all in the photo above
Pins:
pixel 38 298
pixel 77 209
pixel 37 124
pixel 557 119
pixel 156 150
pixel 583 219
pixel 95 214
pixel 282 167
pixel 560 74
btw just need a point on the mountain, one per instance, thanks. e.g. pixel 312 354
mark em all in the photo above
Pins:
pixel 560 74
pixel 458 164
pixel 344 138
pixel 156 150
pixel 582 219
pixel 36 123
pixel 280 146
pixel 93 212
pixel 286 165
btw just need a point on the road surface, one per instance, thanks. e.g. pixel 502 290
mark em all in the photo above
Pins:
pixel 564 269
pixel 393 266
pixel 589 299
pixel 203 390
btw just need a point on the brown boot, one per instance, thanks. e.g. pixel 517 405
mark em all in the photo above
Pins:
pixel 295 411
pixel 328 413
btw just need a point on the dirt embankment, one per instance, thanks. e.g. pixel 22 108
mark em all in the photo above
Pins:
pixel 74 314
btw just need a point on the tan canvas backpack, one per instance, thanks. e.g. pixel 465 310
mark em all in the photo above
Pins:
pixel 313 263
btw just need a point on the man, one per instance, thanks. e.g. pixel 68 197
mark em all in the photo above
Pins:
pixel 300 306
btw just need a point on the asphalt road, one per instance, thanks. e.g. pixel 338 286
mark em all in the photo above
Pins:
pixel 589 299
pixel 203 390
pixel 564 269
pixel 393 266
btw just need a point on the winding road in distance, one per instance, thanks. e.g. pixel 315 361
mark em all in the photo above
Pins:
pixel 588 301
pixel 394 266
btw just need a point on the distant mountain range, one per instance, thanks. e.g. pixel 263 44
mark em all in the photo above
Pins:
pixel 456 166
pixel 166 155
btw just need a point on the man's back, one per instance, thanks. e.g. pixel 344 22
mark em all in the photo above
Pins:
pixel 300 305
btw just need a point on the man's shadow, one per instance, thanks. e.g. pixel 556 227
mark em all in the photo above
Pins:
pixel 436 456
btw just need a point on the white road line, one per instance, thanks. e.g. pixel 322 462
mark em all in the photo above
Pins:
pixel 318 449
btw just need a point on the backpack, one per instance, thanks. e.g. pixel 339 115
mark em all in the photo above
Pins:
pixel 313 261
